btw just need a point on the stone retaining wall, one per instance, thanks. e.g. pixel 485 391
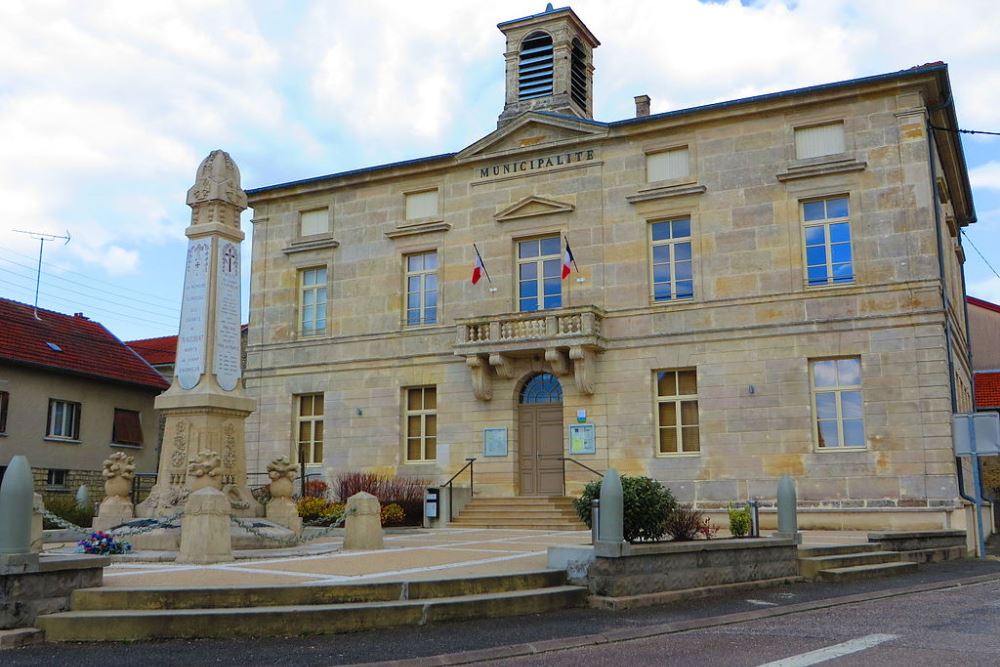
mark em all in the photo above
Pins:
pixel 25 595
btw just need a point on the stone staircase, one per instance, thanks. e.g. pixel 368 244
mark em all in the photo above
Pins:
pixel 520 512
pixel 120 614
pixel 850 562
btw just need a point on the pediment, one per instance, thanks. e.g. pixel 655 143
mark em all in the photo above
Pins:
pixel 532 131
pixel 531 207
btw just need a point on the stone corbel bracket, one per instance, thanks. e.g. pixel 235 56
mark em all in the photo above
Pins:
pixel 482 382
pixel 583 368
pixel 558 360
pixel 502 365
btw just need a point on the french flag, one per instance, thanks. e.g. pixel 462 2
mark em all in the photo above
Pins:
pixel 568 261
pixel 477 270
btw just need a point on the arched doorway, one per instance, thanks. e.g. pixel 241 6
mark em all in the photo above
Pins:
pixel 540 436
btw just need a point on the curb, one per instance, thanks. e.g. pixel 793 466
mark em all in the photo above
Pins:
pixel 629 634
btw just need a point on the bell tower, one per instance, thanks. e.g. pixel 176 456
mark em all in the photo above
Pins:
pixel 550 65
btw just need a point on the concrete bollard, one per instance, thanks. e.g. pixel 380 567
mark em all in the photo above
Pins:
pixel 205 532
pixel 611 512
pixel 363 525
pixel 788 522
pixel 16 496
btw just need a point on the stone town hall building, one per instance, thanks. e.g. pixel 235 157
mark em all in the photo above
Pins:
pixel 764 286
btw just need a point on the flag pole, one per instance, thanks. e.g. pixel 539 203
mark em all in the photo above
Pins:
pixel 482 264
pixel 566 239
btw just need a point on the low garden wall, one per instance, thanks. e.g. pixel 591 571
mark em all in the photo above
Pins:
pixel 46 588
pixel 624 569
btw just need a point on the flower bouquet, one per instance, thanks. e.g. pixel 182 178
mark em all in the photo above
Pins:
pixel 100 543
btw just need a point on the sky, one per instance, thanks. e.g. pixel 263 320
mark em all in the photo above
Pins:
pixel 107 108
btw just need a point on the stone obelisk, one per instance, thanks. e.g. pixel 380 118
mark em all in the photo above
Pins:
pixel 205 407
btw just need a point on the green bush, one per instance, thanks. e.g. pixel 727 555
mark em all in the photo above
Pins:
pixel 739 520
pixel 66 509
pixel 647 504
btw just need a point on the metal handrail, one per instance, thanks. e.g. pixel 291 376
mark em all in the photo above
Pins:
pixel 451 486
pixel 582 465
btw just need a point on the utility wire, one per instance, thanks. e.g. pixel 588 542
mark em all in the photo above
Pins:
pixel 960 131
pixel 986 261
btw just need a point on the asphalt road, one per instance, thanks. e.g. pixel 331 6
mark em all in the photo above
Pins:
pixel 956 626
pixel 446 638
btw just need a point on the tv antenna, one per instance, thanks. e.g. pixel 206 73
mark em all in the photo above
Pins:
pixel 41 237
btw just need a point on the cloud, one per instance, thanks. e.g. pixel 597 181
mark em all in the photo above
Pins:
pixel 988 289
pixel 986 176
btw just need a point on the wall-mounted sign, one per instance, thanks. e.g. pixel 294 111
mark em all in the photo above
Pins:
pixel 494 442
pixel 582 439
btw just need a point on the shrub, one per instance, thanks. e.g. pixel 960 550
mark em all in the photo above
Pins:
pixel 392 515
pixel 311 509
pixel 708 529
pixel 316 488
pixel 65 508
pixel 647 503
pixel 102 544
pixel 333 512
pixel 739 521
pixel 685 523
pixel 406 492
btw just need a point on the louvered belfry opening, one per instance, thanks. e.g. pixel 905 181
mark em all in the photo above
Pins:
pixel 578 75
pixel 534 75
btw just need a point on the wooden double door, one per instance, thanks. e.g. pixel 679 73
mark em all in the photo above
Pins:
pixel 540 449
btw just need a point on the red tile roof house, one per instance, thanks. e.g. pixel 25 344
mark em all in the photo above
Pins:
pixel 160 353
pixel 71 394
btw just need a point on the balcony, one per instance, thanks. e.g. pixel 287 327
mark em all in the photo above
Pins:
pixel 568 337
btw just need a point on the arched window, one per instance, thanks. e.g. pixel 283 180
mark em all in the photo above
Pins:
pixel 534 70
pixel 543 388
pixel 578 75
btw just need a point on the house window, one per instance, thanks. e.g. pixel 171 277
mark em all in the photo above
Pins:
pixel 310 428
pixel 422 205
pixel 126 429
pixel 312 301
pixel 64 420
pixel 819 140
pixel 667 165
pixel 55 477
pixel 4 402
pixel 837 402
pixel 677 412
pixel 421 288
pixel 670 259
pixel 421 424
pixel 534 69
pixel 315 222
pixel 827 231
pixel 539 273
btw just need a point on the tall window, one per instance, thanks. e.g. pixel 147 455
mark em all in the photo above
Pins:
pixel 4 401
pixel 126 428
pixel 534 70
pixel 677 412
pixel 421 288
pixel 827 230
pixel 819 140
pixel 539 273
pixel 578 75
pixel 64 420
pixel 670 245
pixel 668 165
pixel 421 424
pixel 310 428
pixel 312 301
pixel 837 402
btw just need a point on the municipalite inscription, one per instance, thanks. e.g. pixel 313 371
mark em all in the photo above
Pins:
pixel 535 164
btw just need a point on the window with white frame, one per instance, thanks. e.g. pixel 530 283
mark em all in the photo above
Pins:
pixel 838 404
pixel 309 428
pixel 420 423
pixel 827 233
pixel 4 402
pixel 312 301
pixel 54 477
pixel 539 273
pixel 424 204
pixel 667 165
pixel 421 288
pixel 819 140
pixel 314 222
pixel 64 420
pixel 670 259
pixel 677 412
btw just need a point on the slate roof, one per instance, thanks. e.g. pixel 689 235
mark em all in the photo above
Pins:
pixel 70 344
pixel 987 389
pixel 156 351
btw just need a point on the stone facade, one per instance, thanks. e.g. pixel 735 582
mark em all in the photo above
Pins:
pixel 750 331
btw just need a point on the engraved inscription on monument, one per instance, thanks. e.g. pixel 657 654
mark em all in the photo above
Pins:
pixel 226 362
pixel 194 314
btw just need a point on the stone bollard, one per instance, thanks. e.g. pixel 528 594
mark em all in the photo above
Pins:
pixel 363 526
pixel 205 533
pixel 281 509
pixel 612 509
pixel 788 522
pixel 116 508
pixel 16 496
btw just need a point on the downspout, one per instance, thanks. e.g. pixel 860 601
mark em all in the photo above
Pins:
pixel 948 333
